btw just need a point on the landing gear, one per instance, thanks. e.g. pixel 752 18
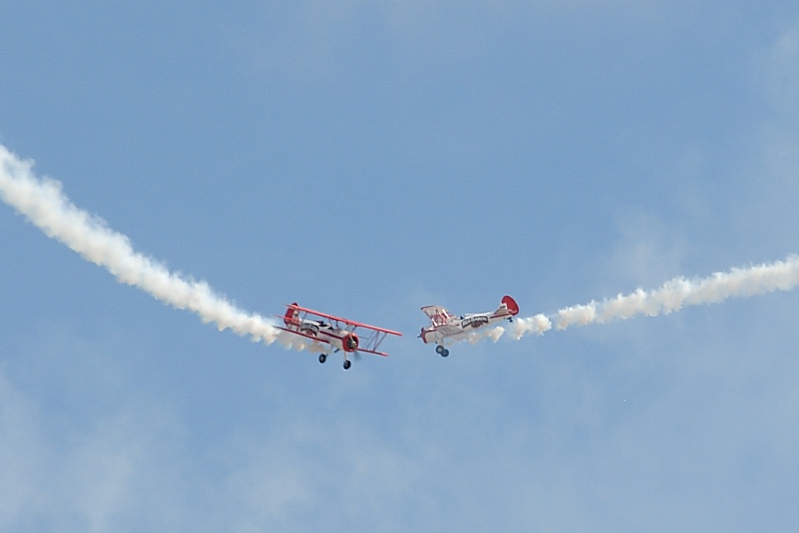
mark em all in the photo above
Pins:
pixel 440 350
pixel 322 357
pixel 347 364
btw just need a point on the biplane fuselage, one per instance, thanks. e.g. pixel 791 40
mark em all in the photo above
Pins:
pixel 318 330
pixel 446 327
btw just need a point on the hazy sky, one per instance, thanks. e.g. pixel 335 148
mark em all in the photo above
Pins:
pixel 367 159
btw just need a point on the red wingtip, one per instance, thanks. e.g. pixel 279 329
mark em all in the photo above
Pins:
pixel 511 304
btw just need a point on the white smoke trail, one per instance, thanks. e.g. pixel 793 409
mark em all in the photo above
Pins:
pixel 475 336
pixel 671 296
pixel 43 203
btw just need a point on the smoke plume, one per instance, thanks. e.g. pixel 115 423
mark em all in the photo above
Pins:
pixel 671 296
pixel 44 204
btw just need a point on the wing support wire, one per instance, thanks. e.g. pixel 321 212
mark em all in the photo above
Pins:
pixel 373 340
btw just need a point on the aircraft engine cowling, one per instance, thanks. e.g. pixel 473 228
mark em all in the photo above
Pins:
pixel 349 343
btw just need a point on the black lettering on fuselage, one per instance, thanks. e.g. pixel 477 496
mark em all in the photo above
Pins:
pixel 474 321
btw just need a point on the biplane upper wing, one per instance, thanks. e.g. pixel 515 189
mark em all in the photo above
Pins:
pixel 338 319
pixel 438 315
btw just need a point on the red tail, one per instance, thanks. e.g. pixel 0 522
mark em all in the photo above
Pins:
pixel 511 304
pixel 292 316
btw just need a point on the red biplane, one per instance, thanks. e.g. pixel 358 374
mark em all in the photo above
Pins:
pixel 337 333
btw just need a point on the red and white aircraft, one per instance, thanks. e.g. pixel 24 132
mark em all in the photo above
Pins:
pixel 447 327
pixel 337 333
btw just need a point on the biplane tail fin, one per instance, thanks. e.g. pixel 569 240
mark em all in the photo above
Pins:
pixel 509 306
pixel 292 316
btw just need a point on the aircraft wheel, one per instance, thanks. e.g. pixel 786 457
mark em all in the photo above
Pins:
pixel 322 358
pixel 440 350
pixel 444 352
pixel 347 364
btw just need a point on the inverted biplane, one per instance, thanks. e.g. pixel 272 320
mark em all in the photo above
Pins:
pixel 334 334
pixel 447 328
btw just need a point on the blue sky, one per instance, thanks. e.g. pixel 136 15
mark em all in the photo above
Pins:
pixel 367 159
